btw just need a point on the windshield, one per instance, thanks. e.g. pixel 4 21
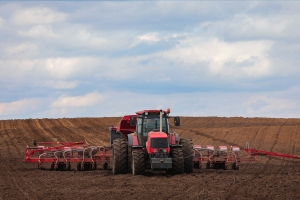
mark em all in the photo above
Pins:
pixel 153 123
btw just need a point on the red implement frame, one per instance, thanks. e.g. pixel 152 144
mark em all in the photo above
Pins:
pixel 65 153
pixel 211 156
pixel 255 152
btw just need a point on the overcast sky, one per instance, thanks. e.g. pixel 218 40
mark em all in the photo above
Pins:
pixel 110 58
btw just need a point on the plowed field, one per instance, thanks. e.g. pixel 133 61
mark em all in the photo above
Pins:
pixel 270 178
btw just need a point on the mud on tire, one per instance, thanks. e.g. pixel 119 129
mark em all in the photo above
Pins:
pixel 188 154
pixel 177 161
pixel 138 164
pixel 119 156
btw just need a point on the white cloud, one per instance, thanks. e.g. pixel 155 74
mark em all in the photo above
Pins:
pixel 150 37
pixel 37 15
pixel 192 44
pixel 86 38
pixel 87 100
pixel 57 84
pixel 16 108
pixel 16 70
pixel 2 21
pixel 39 31
pixel 266 105
pixel 254 26
pixel 227 59
pixel 22 50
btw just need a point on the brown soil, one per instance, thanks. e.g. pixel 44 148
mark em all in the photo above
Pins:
pixel 271 178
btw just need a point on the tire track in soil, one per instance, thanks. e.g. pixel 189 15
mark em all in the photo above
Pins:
pixel 277 136
pixel 21 181
pixel 38 131
pixel 77 123
pixel 98 133
pixel 14 133
pixel 11 181
pixel 223 138
pixel 91 133
pixel 54 133
pixel 211 137
pixel 67 122
pixel 3 133
pixel 262 133
pixel 255 136
pixel 296 152
pixel 104 124
pixel 70 134
pixel 234 190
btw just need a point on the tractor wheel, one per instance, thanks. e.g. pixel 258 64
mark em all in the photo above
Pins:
pixel 177 161
pixel 138 164
pixel 208 165
pixel 188 154
pixel 119 156
pixel 79 167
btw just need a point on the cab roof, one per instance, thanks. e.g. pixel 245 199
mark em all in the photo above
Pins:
pixel 142 112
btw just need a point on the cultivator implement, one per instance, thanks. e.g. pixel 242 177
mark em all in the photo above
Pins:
pixel 219 158
pixel 62 154
pixel 222 157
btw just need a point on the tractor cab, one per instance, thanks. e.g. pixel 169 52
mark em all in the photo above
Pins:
pixel 150 121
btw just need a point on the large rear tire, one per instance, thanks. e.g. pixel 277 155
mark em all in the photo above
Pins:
pixel 177 161
pixel 119 156
pixel 188 154
pixel 138 164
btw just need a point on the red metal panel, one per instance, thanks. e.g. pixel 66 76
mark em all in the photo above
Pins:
pixel 124 126
pixel 135 141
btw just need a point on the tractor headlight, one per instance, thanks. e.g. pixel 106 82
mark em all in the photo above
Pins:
pixel 165 150
pixel 154 150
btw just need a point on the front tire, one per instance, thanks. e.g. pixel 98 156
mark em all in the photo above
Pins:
pixel 177 161
pixel 138 165
pixel 119 156
pixel 188 154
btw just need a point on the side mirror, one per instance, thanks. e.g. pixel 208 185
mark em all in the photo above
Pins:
pixel 132 121
pixel 177 121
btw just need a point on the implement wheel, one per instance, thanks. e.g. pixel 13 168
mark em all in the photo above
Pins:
pixel 138 164
pixel 188 154
pixel 235 166
pixel 177 161
pixel 119 156
pixel 52 166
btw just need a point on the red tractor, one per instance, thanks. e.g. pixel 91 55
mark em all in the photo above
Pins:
pixel 144 141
